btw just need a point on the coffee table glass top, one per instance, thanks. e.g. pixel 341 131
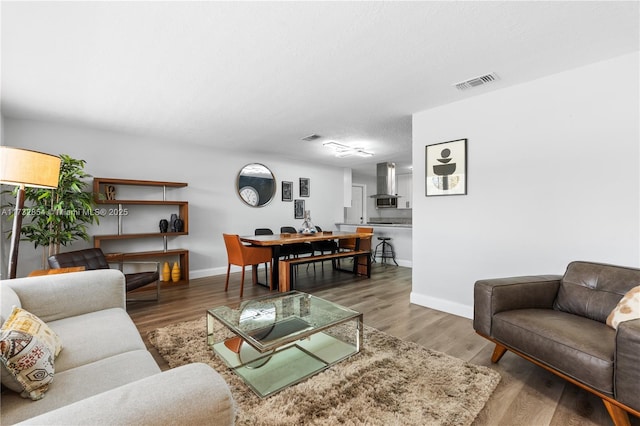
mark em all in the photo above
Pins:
pixel 272 321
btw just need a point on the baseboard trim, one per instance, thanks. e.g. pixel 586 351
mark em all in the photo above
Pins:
pixel 443 305
pixel 222 270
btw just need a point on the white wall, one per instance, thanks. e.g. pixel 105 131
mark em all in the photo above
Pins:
pixel 214 207
pixel 553 176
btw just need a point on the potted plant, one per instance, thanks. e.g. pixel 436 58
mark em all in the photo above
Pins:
pixel 56 217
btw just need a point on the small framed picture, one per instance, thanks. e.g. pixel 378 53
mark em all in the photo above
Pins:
pixel 304 187
pixel 298 209
pixel 287 191
pixel 446 168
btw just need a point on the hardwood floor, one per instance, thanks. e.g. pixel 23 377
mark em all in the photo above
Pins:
pixel 527 394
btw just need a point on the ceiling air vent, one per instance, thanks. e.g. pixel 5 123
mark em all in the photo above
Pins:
pixel 312 137
pixel 476 81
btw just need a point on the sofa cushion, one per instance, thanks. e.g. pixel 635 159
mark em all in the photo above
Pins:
pixel 23 334
pixel 628 308
pixel 576 346
pixel 81 382
pixel 91 337
pixel 192 394
pixel 592 290
pixel 29 359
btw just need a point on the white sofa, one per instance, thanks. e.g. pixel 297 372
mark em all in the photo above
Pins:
pixel 104 374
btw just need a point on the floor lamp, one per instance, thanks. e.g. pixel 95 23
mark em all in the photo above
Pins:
pixel 22 168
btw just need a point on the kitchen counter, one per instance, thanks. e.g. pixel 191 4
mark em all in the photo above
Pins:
pixel 377 224
pixel 400 234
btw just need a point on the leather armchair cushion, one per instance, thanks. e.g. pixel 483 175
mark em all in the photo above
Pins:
pixel 504 294
pixel 574 345
pixel 593 290
pixel 89 258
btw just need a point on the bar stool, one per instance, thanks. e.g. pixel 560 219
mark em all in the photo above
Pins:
pixel 386 251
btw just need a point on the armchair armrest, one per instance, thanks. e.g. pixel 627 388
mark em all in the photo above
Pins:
pixel 191 395
pixel 627 360
pixel 491 296
pixel 53 297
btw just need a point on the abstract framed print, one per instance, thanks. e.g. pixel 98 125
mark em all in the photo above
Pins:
pixel 446 168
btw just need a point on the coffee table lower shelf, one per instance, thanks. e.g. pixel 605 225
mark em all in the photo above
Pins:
pixel 274 371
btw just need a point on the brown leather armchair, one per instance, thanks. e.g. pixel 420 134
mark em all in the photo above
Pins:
pixel 559 323
pixel 94 258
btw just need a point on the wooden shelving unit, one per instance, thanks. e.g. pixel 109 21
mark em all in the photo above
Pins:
pixel 99 186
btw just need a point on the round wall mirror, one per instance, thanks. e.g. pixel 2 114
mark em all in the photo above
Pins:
pixel 256 185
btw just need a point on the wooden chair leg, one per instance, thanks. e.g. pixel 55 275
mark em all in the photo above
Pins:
pixel 498 351
pixel 618 415
pixel 242 283
pixel 226 284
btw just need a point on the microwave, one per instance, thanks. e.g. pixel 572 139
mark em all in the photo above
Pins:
pixel 386 203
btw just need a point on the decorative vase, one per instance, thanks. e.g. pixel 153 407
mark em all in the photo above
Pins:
pixel 172 222
pixel 175 273
pixel 166 272
pixel 164 225
pixel 307 225
pixel 178 225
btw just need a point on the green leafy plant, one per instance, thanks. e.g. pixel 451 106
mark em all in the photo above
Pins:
pixel 55 217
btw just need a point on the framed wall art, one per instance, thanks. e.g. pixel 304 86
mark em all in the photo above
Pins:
pixel 298 209
pixel 287 191
pixel 446 168
pixel 304 187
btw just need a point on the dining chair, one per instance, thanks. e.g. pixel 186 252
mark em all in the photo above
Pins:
pixel 285 251
pixel 349 244
pixel 242 255
pixel 324 246
pixel 297 249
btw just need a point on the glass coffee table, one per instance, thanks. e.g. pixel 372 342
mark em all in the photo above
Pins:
pixel 279 340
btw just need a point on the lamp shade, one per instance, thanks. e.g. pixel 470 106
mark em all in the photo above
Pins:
pixel 28 168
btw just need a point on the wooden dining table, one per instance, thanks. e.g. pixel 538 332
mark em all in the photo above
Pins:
pixel 275 241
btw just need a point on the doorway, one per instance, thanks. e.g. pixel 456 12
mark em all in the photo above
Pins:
pixel 357 213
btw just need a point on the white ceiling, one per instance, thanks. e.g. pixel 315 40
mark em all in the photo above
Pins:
pixel 259 76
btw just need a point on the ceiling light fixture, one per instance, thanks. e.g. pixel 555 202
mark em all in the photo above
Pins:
pixel 341 150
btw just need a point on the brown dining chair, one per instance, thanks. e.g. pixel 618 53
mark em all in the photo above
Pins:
pixel 242 255
pixel 349 244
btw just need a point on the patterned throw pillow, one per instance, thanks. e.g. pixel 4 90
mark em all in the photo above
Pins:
pixel 29 360
pixel 628 308
pixel 22 338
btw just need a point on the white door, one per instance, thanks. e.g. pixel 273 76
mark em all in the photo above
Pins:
pixel 356 213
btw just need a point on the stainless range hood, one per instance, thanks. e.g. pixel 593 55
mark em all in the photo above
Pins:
pixel 386 181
